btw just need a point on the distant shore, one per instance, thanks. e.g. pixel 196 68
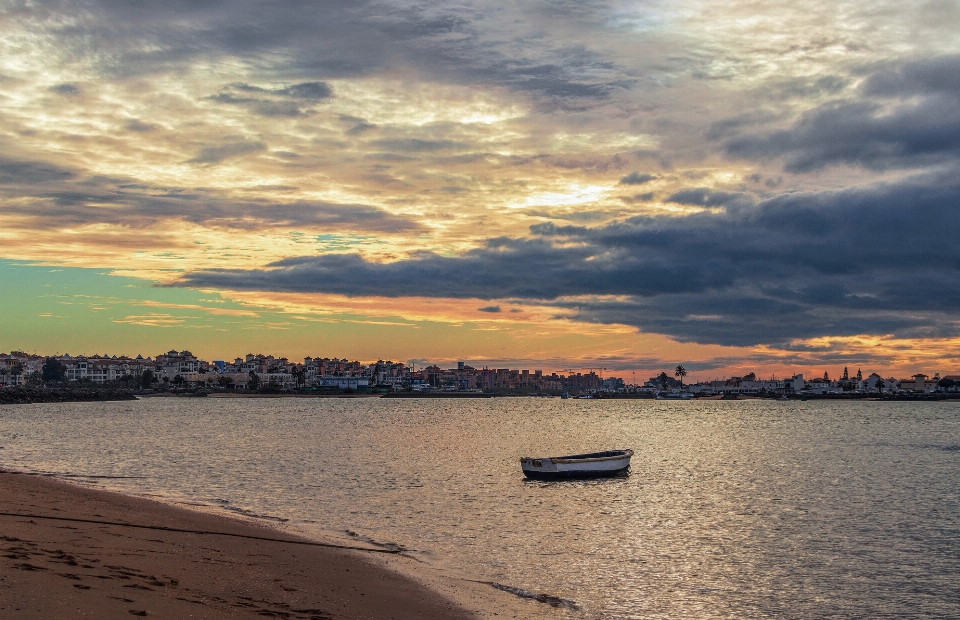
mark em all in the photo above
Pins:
pixel 27 395
pixel 289 395
pixel 440 395
pixel 31 395
pixel 70 551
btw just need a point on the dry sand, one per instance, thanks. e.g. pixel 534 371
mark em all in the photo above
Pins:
pixel 108 555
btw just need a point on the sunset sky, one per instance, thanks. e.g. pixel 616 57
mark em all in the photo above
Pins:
pixel 735 186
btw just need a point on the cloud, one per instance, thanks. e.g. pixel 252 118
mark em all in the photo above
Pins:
pixel 360 127
pixel 286 101
pixel 705 197
pixel 14 171
pixel 711 199
pixel 277 108
pixel 536 50
pixel 139 126
pixel 879 259
pixel 68 90
pixel 937 75
pixel 806 87
pixel 417 145
pixel 904 117
pixel 493 309
pixel 313 91
pixel 635 178
pixel 219 153
pixel 644 197
pixel 50 197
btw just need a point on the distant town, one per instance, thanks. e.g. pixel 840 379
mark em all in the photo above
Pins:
pixel 181 370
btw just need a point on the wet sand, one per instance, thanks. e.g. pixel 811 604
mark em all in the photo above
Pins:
pixel 107 555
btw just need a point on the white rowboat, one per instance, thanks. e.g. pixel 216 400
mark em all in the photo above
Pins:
pixel 593 465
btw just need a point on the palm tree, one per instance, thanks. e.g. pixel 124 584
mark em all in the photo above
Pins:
pixel 680 372
pixel 300 376
pixel 880 385
pixel 16 371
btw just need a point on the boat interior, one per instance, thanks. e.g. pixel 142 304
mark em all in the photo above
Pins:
pixel 593 455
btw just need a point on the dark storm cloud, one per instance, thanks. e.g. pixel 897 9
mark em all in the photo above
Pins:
pixel 462 43
pixel 882 259
pixel 57 197
pixel 907 116
pixel 927 76
pixel 470 42
pixel 488 273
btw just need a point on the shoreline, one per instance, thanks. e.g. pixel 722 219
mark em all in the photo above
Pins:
pixel 31 395
pixel 70 550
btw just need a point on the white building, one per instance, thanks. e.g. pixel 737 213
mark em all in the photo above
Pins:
pixel 353 383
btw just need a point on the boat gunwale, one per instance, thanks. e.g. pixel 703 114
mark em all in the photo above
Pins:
pixel 624 454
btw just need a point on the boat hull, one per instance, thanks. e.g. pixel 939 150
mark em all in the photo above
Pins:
pixel 675 396
pixel 578 467
pixel 575 474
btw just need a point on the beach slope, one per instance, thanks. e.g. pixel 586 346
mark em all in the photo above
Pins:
pixel 71 552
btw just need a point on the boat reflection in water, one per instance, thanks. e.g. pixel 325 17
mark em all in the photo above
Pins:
pixel 577 466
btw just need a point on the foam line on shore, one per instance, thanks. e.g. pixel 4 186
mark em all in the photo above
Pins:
pixel 164 528
pixel 549 599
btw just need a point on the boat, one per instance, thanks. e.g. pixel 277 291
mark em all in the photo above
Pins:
pixel 564 396
pixel 674 395
pixel 577 466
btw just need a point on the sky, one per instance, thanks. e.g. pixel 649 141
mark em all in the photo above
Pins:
pixel 736 186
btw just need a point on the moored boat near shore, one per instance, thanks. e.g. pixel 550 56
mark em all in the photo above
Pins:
pixel 674 395
pixel 577 466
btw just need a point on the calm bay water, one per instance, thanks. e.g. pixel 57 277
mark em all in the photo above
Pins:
pixel 732 509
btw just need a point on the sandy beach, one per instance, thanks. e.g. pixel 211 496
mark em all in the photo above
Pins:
pixel 71 552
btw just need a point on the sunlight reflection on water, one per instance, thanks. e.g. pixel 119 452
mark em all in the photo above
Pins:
pixel 732 509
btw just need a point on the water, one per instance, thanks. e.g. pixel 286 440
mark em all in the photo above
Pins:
pixel 747 509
